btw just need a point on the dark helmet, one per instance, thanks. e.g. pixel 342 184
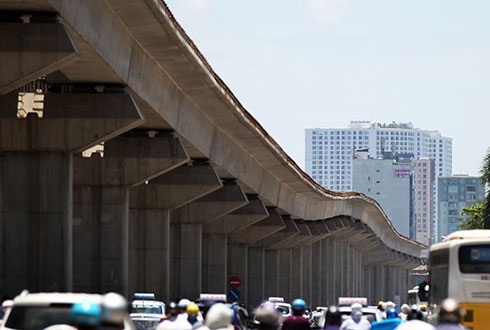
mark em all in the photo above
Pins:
pixel 333 316
pixel 450 311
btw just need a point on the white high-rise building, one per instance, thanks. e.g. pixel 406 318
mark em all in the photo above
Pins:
pixel 329 151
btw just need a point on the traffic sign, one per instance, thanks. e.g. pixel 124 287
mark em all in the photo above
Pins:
pixel 234 294
pixel 235 282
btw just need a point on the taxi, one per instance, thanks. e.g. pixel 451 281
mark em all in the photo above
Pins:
pixel 146 312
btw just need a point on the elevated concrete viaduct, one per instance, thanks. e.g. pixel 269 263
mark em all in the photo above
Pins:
pixel 185 188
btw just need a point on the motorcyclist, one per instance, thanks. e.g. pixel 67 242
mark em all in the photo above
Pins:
pixel 268 317
pixel 404 311
pixel 173 321
pixel 114 311
pixel 415 321
pixel 297 321
pixel 333 318
pixel 392 321
pixel 450 314
pixel 218 317
pixel 85 315
pixel 193 315
pixel 356 321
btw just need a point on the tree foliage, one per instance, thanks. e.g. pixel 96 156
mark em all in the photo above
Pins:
pixel 475 217
pixel 485 172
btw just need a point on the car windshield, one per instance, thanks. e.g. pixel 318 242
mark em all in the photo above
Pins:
pixel 140 309
pixel 37 317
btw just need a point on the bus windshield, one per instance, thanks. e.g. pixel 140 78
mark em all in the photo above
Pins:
pixel 474 259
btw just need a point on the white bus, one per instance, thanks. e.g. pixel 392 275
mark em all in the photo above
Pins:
pixel 459 268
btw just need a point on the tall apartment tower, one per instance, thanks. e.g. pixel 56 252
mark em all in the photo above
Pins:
pixel 329 151
pixel 453 194
pixel 423 202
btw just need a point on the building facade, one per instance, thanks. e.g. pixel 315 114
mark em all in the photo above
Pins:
pixel 424 185
pixel 389 182
pixel 454 193
pixel 329 152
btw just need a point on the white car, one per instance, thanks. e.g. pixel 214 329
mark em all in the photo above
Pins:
pixel 36 311
pixel 372 314
pixel 284 308
pixel 146 313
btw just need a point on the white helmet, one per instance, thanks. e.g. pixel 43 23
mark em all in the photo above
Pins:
pixel 114 308
pixel 183 303
pixel 7 304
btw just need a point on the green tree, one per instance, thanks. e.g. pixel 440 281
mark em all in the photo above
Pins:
pixel 475 217
pixel 485 172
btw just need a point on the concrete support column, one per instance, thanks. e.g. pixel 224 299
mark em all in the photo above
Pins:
pixel 316 275
pixel 214 263
pixel 285 271
pixel 380 285
pixel 272 274
pixel 345 272
pixel 100 231
pixel 366 288
pixel 149 252
pixel 238 266
pixel 256 276
pixel 306 278
pixel 328 271
pixel 36 221
pixel 297 273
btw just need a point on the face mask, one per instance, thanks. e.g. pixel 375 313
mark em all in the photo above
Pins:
pixel 356 316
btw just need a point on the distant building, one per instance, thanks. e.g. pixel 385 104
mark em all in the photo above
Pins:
pixel 454 193
pixel 424 186
pixel 329 152
pixel 390 183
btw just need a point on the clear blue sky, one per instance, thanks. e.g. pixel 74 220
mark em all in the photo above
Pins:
pixel 298 64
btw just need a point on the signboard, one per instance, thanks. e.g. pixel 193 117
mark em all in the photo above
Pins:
pixel 212 296
pixel 276 299
pixel 234 282
pixel 347 301
pixel 402 173
pixel 234 294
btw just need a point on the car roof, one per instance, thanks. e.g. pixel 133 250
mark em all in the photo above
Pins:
pixel 55 298
pixel 367 310
pixel 283 304
pixel 148 302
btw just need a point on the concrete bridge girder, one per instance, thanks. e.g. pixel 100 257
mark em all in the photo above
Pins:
pixel 260 230
pixel 71 122
pixel 244 217
pixel 274 241
pixel 23 44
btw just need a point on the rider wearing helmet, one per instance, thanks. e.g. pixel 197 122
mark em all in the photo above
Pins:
pixel 392 321
pixel 114 311
pixel 297 321
pixel 85 315
pixel 268 316
pixel 450 314
pixel 333 318
pixel 193 315
pixel 356 321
